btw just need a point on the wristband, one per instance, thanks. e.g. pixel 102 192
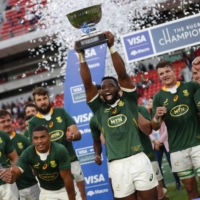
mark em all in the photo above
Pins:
pixel 112 49
pixel 156 120
pixel 81 57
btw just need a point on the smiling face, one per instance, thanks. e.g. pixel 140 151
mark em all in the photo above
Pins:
pixel 6 124
pixel 41 140
pixel 109 91
pixel 195 76
pixel 167 76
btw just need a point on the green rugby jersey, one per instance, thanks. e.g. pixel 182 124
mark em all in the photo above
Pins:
pixel 6 147
pixel 119 125
pixel 27 179
pixel 94 127
pixel 145 140
pixel 27 135
pixel 57 128
pixel 47 171
pixel 181 118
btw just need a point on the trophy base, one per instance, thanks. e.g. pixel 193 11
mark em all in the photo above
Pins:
pixel 91 41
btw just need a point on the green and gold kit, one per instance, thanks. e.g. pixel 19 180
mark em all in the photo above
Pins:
pixel 145 140
pixel 47 171
pixel 27 179
pixel 27 134
pixel 118 124
pixel 6 147
pixel 57 128
pixel 94 127
pixel 181 117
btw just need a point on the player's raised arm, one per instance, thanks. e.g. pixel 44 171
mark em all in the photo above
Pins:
pixel 118 63
pixel 90 88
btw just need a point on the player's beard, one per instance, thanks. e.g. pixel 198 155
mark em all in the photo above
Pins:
pixel 44 111
pixel 114 99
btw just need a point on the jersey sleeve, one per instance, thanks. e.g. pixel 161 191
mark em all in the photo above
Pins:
pixel 95 129
pixel 63 158
pixel 155 104
pixel 195 85
pixel 26 141
pixel 130 94
pixel 95 103
pixel 9 147
pixel 22 161
pixel 31 126
pixel 197 99
pixel 144 112
pixel 69 120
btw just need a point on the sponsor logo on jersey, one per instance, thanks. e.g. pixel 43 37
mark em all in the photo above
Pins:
pixel 94 192
pixel 44 166
pixel 1 140
pixel 165 102
pixel 186 93
pixel 121 103
pixel 175 98
pixel 179 110
pixel 98 178
pixel 36 166
pixel 176 163
pixel 116 121
pixel 117 188
pixel 56 135
pixel 53 163
pixel 51 124
pixel 59 119
pixel 49 177
pixel 114 111
pixel 136 148
pixel 20 145
pixel 151 177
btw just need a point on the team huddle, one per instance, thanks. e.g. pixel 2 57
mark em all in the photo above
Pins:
pixel 42 163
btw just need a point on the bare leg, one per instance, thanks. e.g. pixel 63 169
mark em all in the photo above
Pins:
pixel 160 190
pixel 191 187
pixel 149 194
pixel 130 197
pixel 81 187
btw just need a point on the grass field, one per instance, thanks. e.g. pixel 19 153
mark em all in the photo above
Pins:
pixel 170 183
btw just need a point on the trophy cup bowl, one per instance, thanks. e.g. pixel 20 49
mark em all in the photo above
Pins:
pixel 86 19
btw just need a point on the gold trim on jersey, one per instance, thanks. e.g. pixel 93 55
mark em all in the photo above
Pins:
pixel 178 83
pixel 102 130
pixel 36 166
pixel 179 110
pixel 116 120
pixel 13 134
pixel 135 121
pixel 49 177
pixel 107 110
pixel 0 153
pixel 39 115
pixel 1 140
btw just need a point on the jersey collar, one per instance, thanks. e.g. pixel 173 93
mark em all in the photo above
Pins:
pixel 178 83
pixel 39 115
pixel 12 135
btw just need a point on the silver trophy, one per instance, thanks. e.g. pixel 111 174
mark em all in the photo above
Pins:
pixel 86 19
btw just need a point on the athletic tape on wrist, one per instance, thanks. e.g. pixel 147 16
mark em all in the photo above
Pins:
pixel 156 120
pixel 112 49
pixel 81 57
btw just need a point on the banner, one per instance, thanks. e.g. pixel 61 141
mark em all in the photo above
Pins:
pixel 96 177
pixel 161 39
